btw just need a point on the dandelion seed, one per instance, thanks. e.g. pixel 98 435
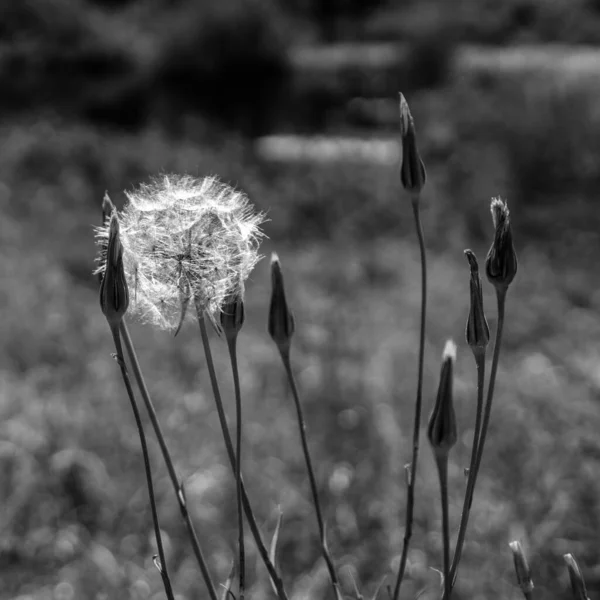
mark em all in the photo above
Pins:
pixel 185 239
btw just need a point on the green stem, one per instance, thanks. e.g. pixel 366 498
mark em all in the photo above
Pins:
pixel 177 485
pixel 264 553
pixel 501 301
pixel 410 501
pixel 232 345
pixel 464 519
pixel 162 567
pixel 442 465
pixel 285 357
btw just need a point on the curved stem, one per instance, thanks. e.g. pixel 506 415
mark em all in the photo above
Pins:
pixel 464 519
pixel 264 553
pixel 501 301
pixel 231 344
pixel 177 485
pixel 162 566
pixel 442 465
pixel 285 357
pixel 410 501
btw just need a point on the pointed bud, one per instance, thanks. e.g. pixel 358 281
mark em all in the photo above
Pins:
pixel 107 208
pixel 281 320
pixel 232 315
pixel 441 431
pixel 412 170
pixel 522 568
pixel 577 583
pixel 501 261
pixel 477 331
pixel 114 295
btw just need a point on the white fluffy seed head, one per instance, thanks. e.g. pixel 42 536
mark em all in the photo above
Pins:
pixel 186 239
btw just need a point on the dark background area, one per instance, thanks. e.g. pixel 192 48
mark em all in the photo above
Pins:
pixel 296 104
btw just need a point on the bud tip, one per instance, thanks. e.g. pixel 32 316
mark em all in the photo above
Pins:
pixel 449 351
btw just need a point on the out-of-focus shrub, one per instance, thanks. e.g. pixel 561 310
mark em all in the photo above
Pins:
pixel 227 59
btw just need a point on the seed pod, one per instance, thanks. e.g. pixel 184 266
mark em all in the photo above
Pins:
pixel 232 315
pixel 281 320
pixel 412 169
pixel 501 260
pixel 577 583
pixel 477 332
pixel 442 431
pixel 522 568
pixel 114 294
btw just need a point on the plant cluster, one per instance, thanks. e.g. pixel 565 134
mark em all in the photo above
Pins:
pixel 182 243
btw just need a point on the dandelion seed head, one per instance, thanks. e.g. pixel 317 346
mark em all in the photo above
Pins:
pixel 186 239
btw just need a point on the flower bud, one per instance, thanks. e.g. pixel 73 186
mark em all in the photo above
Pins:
pixel 521 568
pixel 477 331
pixel 501 261
pixel 232 315
pixel 281 320
pixel 412 169
pixel 114 295
pixel 441 431
pixel 577 583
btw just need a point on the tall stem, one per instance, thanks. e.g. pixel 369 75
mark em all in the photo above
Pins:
pixel 232 345
pixel 177 485
pixel 264 553
pixel 501 301
pixel 464 519
pixel 162 567
pixel 285 357
pixel 417 422
pixel 442 465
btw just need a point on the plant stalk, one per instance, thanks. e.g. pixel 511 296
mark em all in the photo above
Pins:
pixel 442 465
pixel 162 566
pixel 177 485
pixel 410 501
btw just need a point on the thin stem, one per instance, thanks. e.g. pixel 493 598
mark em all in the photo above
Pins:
pixel 501 301
pixel 285 357
pixel 162 567
pixel 264 553
pixel 442 465
pixel 410 501
pixel 464 519
pixel 232 345
pixel 177 485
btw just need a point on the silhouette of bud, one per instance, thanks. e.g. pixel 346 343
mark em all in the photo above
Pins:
pixel 521 568
pixel 281 320
pixel 477 331
pixel 412 169
pixel 577 583
pixel 441 430
pixel 114 294
pixel 232 315
pixel 501 260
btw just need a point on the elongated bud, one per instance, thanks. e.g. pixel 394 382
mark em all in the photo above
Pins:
pixel 281 320
pixel 522 568
pixel 477 331
pixel 441 431
pixel 412 169
pixel 577 583
pixel 114 295
pixel 501 260
pixel 232 315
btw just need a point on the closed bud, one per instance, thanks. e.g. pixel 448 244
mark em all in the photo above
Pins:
pixel 577 583
pixel 477 331
pixel 232 315
pixel 442 431
pixel 522 568
pixel 281 320
pixel 501 261
pixel 412 169
pixel 114 295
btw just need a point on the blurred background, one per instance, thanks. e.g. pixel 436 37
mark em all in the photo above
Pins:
pixel 295 102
